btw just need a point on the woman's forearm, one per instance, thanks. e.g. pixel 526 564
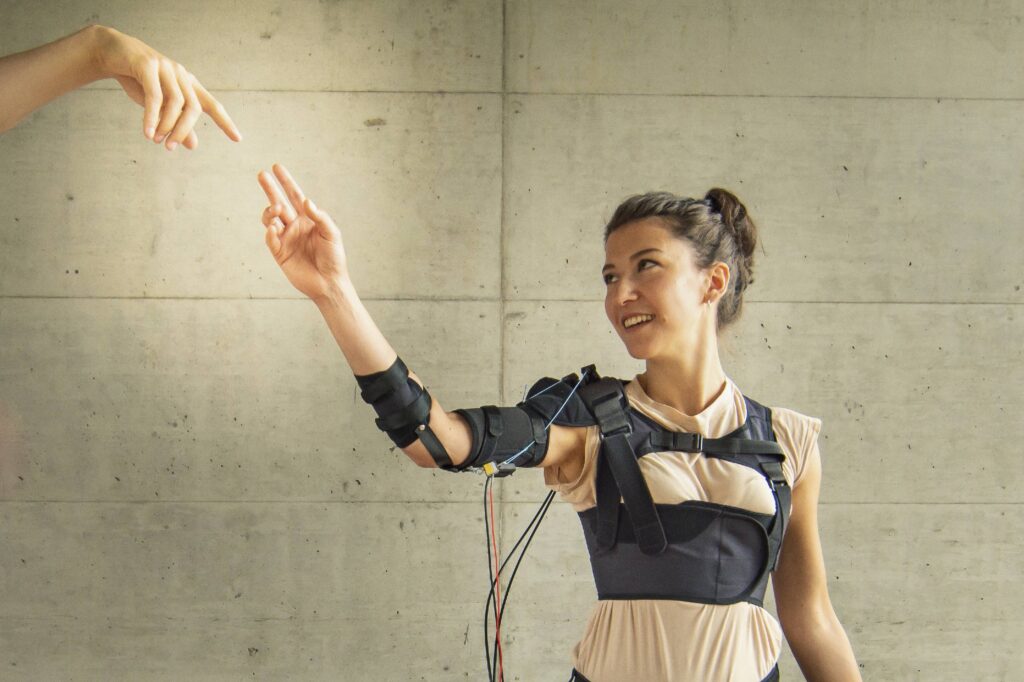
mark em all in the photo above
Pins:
pixel 368 352
pixel 823 651
pixel 30 79
pixel 360 340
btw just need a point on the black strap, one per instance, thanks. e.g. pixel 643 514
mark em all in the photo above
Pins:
pixel 375 386
pixel 416 411
pixel 783 499
pixel 741 446
pixel 435 447
pixel 619 471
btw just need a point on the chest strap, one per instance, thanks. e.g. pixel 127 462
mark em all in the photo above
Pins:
pixel 618 472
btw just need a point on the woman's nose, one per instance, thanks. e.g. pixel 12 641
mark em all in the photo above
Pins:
pixel 624 293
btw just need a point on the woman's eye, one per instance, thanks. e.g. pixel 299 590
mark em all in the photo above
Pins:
pixel 608 279
pixel 645 264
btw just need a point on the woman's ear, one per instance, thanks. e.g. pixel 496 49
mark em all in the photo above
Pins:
pixel 717 282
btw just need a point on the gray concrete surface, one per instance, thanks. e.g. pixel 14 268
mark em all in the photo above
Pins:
pixel 190 488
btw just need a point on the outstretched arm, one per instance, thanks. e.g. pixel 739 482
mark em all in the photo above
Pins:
pixel 812 629
pixel 307 245
pixel 172 98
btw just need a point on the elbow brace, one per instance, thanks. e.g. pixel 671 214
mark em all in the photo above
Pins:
pixel 403 409
pixel 505 433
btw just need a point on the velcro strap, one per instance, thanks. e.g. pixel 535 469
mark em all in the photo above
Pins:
pixel 677 441
pixel 783 499
pixel 773 472
pixel 607 402
pixel 608 506
pixel 741 446
pixel 495 424
pixel 435 448
pixel 379 384
pixel 635 495
pixel 415 413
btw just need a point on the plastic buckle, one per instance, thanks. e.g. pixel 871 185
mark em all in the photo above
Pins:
pixel 611 416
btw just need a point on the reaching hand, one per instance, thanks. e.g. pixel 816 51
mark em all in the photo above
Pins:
pixel 173 99
pixel 304 240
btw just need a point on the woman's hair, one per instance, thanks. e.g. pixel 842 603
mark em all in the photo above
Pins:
pixel 717 227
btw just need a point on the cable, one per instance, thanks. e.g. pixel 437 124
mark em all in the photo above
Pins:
pixel 496 590
pixel 552 421
pixel 495 603
pixel 490 573
pixel 543 511
pixel 527 534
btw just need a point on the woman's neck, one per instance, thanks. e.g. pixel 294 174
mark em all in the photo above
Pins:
pixel 686 383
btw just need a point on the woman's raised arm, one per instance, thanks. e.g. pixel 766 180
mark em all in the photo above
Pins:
pixel 307 245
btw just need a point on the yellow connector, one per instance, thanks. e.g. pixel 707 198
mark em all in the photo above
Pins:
pixel 498 470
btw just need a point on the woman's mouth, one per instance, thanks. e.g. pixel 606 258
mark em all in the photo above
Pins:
pixel 636 321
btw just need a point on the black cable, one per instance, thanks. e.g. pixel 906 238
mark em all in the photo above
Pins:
pixel 545 505
pixel 531 529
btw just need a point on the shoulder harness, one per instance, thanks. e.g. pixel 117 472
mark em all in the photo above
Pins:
pixel 695 551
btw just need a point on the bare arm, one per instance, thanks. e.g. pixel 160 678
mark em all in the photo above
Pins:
pixel 307 245
pixel 808 619
pixel 172 98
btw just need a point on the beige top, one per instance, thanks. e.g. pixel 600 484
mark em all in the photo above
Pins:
pixel 664 640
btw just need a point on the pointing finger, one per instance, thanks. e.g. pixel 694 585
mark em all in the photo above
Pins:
pixel 217 112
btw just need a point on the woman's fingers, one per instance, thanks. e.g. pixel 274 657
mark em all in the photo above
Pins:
pixel 174 100
pixel 189 114
pixel 217 112
pixel 291 188
pixel 153 98
pixel 269 213
pixel 276 196
pixel 273 236
pixel 324 224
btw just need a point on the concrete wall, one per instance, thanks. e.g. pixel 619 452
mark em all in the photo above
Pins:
pixel 189 487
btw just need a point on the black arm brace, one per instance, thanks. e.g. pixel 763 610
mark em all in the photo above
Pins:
pixel 403 409
pixel 503 433
pixel 498 433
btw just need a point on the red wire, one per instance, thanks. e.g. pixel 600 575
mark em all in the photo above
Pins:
pixel 497 588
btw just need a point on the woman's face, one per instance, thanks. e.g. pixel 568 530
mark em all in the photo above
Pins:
pixel 655 293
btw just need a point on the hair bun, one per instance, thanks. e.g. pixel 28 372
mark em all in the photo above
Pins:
pixel 734 217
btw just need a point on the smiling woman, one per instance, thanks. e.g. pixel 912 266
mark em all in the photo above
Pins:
pixel 691 495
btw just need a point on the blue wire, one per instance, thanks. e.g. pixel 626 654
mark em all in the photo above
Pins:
pixel 548 426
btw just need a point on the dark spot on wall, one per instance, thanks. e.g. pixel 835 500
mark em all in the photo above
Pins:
pixel 374 122
pixel 253 651
pixel 266 35
pixel 70 197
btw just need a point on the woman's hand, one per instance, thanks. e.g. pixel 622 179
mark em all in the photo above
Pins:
pixel 304 240
pixel 172 98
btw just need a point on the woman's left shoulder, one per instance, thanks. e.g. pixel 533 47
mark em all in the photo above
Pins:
pixel 798 435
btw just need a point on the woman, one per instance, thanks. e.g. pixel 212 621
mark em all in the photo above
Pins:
pixel 675 274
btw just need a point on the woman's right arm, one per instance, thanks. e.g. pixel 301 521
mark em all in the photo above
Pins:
pixel 307 245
